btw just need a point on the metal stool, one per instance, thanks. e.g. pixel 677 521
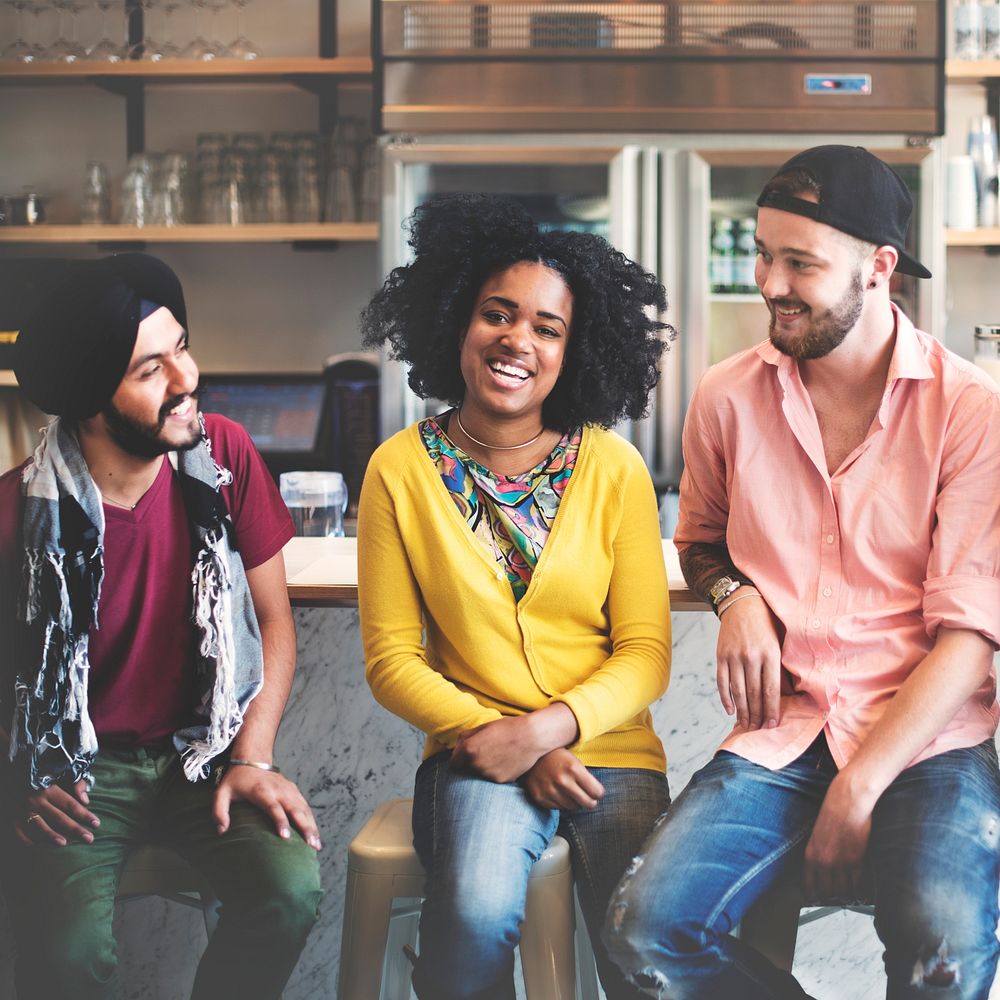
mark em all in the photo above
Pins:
pixel 772 924
pixel 383 867
pixel 151 870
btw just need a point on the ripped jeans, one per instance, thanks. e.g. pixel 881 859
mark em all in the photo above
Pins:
pixel 739 828
pixel 477 841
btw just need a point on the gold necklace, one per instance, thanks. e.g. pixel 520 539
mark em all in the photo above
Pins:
pixel 494 447
pixel 118 503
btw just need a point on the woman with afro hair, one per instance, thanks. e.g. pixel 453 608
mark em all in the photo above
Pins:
pixel 511 580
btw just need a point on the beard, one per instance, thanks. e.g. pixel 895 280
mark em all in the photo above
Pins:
pixel 145 440
pixel 826 331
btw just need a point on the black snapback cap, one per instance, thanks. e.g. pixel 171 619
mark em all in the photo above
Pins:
pixel 860 195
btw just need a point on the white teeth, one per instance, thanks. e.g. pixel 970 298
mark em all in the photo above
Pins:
pixel 181 408
pixel 502 369
pixel 789 312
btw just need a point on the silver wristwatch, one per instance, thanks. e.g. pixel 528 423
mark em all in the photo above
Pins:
pixel 721 589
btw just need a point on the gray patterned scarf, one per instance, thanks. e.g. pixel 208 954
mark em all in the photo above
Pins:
pixel 62 534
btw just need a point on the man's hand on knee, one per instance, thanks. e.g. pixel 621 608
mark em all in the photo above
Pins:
pixel 56 815
pixel 270 792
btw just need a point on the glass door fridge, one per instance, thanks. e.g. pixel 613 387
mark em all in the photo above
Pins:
pixel 662 200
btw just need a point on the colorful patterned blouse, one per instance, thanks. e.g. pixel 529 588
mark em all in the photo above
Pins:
pixel 512 515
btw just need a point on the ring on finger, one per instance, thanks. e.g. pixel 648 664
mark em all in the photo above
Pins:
pixel 33 817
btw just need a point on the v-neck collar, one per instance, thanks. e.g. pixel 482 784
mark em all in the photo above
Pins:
pixel 429 470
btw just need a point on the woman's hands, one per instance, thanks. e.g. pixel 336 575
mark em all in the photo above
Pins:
pixel 531 747
pixel 559 781
pixel 502 751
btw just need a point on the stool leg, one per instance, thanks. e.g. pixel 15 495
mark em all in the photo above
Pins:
pixel 403 925
pixel 367 907
pixel 547 954
pixel 586 964
pixel 772 925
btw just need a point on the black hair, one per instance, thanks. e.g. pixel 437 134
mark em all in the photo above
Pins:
pixel 459 241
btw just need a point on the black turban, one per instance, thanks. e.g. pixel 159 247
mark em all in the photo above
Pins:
pixel 74 348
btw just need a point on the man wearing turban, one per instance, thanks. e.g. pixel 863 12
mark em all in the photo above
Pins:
pixel 151 647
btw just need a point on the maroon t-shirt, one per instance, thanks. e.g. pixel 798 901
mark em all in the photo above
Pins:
pixel 142 673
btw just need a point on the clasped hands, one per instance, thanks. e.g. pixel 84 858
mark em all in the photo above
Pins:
pixel 531 749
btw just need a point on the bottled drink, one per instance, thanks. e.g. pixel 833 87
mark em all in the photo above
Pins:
pixel 991 29
pixel 745 261
pixel 968 29
pixel 983 150
pixel 723 256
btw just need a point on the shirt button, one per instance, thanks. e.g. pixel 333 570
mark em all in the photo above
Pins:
pixel 829 539
pixel 499 575
pixel 827 591
pixel 816 623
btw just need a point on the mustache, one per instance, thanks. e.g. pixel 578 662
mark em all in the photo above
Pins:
pixel 176 401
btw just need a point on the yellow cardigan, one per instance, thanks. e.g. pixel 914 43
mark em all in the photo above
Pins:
pixel 448 648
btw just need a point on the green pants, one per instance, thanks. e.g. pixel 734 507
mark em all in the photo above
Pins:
pixel 61 899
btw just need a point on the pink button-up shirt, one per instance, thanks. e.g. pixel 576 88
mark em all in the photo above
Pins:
pixel 861 568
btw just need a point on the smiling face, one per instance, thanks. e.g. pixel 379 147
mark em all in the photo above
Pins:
pixel 811 277
pixel 154 409
pixel 515 345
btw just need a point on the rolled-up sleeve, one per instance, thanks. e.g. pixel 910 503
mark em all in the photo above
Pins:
pixel 962 589
pixel 704 502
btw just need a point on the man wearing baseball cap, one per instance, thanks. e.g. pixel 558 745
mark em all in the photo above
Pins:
pixel 148 648
pixel 840 508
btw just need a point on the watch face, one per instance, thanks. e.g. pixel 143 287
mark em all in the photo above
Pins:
pixel 722 588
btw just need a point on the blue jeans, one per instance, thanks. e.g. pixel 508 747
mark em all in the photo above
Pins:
pixel 61 899
pixel 739 828
pixel 477 841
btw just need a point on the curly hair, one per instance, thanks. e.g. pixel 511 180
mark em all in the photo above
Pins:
pixel 424 308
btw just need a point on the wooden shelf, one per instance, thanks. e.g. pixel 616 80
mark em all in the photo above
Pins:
pixel 983 237
pixel 295 71
pixel 971 70
pixel 7 378
pixel 300 232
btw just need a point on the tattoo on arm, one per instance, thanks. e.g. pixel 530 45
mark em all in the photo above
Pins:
pixel 703 564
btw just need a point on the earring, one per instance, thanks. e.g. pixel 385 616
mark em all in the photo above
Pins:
pixel 873 284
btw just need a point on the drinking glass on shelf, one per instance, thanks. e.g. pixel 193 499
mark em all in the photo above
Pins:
pixel 199 47
pixel 273 189
pixel 241 47
pixel 39 49
pixel 170 49
pixel 95 209
pixel 66 49
pixel 147 48
pixel 215 42
pixel 170 191
pixel 20 49
pixel 137 190
pixel 107 49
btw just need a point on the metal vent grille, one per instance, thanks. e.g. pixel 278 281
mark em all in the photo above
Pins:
pixel 843 28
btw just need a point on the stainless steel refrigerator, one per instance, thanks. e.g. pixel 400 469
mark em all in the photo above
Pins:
pixel 658 200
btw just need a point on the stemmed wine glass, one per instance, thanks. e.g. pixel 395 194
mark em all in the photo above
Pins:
pixel 198 47
pixel 67 49
pixel 19 50
pixel 216 44
pixel 147 48
pixel 170 49
pixel 241 47
pixel 107 49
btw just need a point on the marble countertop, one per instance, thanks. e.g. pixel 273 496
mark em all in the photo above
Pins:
pixel 323 573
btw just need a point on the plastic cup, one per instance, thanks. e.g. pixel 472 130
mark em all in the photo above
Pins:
pixel 316 501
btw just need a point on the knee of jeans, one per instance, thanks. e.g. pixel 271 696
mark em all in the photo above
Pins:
pixel 285 904
pixel 77 963
pixel 650 944
pixel 937 941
